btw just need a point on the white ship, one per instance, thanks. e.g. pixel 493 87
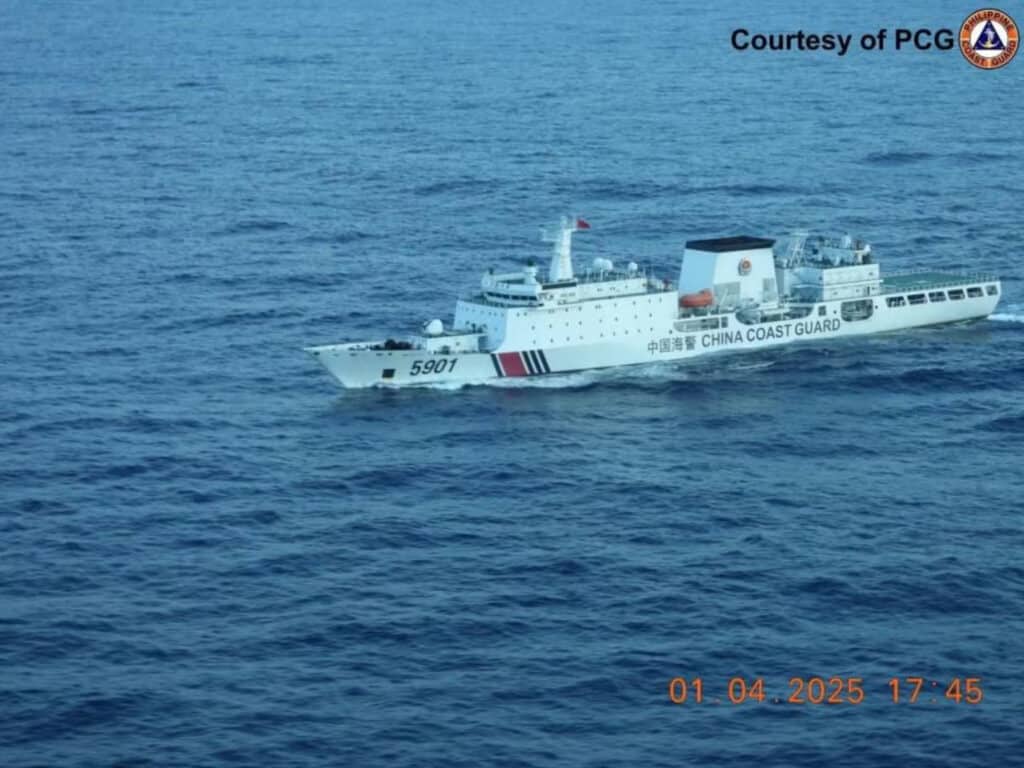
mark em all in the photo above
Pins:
pixel 733 294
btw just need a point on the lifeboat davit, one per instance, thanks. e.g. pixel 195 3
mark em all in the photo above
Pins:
pixel 697 300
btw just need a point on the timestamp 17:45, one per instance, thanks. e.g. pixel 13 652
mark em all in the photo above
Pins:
pixel 826 690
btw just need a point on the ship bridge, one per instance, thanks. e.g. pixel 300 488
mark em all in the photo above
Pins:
pixel 507 301
pixel 563 285
pixel 522 289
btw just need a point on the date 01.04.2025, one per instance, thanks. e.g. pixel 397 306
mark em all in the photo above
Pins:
pixel 826 690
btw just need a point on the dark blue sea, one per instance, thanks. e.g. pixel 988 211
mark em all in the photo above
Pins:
pixel 209 555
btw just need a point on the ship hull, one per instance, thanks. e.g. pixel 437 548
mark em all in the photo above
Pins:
pixel 353 366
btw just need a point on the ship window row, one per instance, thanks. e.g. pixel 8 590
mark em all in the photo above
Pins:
pixel 551 340
pixel 635 317
pixel 552 310
pixel 510 296
pixel 610 333
pixel 956 294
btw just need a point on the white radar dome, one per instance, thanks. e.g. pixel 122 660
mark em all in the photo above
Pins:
pixel 632 267
pixel 434 328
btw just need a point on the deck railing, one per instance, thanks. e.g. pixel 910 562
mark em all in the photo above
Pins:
pixel 942 281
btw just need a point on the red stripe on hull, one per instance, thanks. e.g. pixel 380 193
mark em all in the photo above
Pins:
pixel 512 363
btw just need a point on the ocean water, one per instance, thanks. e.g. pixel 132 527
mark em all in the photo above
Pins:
pixel 211 556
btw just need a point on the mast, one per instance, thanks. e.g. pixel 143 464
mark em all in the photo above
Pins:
pixel 561 256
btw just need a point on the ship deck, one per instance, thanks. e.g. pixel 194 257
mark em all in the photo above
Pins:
pixel 922 281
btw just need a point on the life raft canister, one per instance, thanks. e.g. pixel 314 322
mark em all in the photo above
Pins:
pixel 745 266
pixel 694 300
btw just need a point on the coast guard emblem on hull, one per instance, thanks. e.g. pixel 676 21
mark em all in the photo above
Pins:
pixel 744 266
pixel 989 38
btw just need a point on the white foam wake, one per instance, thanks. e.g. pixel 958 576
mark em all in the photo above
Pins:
pixel 555 381
pixel 1005 317
pixel 655 370
pixel 753 366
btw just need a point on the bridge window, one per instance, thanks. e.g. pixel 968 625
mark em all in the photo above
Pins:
pixel 895 301
pixel 916 298
pixel 991 290
pixel 937 296
pixel 974 291
pixel 956 295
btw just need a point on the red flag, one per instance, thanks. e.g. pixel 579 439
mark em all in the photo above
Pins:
pixel 581 224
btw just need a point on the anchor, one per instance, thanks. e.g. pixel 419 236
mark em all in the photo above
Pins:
pixel 989 39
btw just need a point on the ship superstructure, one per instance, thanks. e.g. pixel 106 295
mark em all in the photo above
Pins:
pixel 732 293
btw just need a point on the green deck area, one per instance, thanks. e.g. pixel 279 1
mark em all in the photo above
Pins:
pixel 923 281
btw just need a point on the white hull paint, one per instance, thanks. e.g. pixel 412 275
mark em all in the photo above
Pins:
pixel 355 365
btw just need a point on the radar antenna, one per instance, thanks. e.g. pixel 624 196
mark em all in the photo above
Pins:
pixel 795 252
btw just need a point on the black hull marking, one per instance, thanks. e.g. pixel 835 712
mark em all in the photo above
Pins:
pixel 543 361
pixel 529 363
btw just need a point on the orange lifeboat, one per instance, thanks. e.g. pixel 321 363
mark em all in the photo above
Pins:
pixel 696 300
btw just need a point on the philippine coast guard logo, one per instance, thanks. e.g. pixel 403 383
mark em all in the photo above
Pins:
pixel 989 38
pixel 744 266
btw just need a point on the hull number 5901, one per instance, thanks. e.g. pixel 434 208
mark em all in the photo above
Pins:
pixel 424 367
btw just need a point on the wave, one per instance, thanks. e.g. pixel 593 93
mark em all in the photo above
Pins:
pixel 611 189
pixel 896 158
pixel 467 185
pixel 254 225
pixel 979 157
pixel 554 381
pixel 346 236
pixel 1013 424
pixel 754 366
pixel 237 318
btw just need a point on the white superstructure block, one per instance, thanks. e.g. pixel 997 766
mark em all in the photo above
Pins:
pixel 737 270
